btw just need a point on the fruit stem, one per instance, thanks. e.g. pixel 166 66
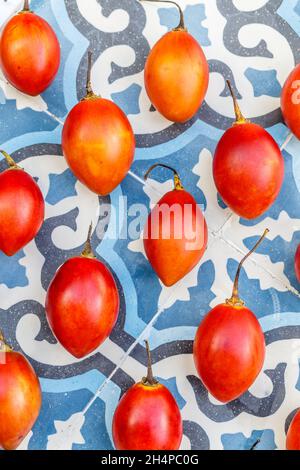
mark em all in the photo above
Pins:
pixel 3 346
pixel 255 444
pixel 87 250
pixel 238 114
pixel 177 181
pixel 26 5
pixel 150 379
pixel 10 161
pixel 181 26
pixel 235 300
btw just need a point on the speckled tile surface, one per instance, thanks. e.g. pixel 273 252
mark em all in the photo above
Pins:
pixel 255 44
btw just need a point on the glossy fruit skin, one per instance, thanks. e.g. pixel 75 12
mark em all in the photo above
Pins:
pixel 176 76
pixel 229 351
pixel 297 263
pixel 290 101
pixel 22 209
pixel 248 169
pixel 29 53
pixel 147 418
pixel 293 434
pixel 82 305
pixel 98 144
pixel 20 399
pixel 170 258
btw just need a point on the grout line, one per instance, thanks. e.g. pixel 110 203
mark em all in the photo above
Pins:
pixel 53 116
pixel 238 249
pixel 40 109
pixel 136 177
pixel 235 247
pixel 144 182
pixel 223 226
pixel 287 140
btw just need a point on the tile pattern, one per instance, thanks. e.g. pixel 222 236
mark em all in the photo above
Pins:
pixel 254 44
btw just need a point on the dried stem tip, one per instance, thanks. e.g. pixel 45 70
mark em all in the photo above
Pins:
pixel 240 119
pixel 26 6
pixel 150 379
pixel 87 250
pixel 89 89
pixel 3 346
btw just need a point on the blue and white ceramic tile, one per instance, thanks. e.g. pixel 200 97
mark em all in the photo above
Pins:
pixel 255 44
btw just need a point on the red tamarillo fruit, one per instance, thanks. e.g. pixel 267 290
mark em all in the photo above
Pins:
pixel 22 208
pixel 147 417
pixel 175 234
pixel 29 52
pixel 248 167
pixel 290 101
pixel 229 347
pixel 176 73
pixel 20 397
pixel 98 141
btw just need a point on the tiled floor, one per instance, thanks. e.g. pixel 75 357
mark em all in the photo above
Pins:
pixel 255 44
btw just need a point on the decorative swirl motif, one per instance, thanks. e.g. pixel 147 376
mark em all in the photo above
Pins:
pixel 266 15
pixel 247 403
pixel 197 436
pixel 133 37
pixel 236 19
pixel 99 41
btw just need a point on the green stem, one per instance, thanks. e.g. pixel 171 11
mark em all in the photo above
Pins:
pixel 10 161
